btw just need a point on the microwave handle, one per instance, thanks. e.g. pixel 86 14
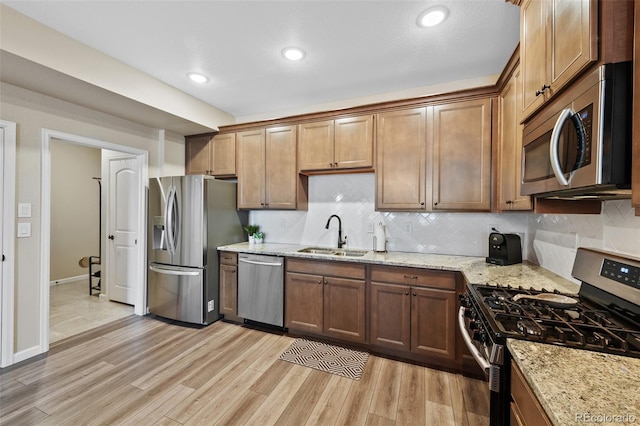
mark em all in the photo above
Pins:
pixel 565 115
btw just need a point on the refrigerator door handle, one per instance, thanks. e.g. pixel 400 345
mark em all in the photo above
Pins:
pixel 172 220
pixel 173 271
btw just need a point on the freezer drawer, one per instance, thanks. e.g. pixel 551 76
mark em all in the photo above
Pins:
pixel 177 292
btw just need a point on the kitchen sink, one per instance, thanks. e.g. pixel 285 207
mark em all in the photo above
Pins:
pixel 333 251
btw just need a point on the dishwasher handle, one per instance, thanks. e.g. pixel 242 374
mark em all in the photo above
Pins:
pixel 255 262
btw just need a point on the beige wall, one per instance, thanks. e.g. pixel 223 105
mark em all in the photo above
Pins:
pixel 33 112
pixel 75 207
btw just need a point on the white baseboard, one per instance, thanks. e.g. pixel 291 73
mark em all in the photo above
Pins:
pixel 69 280
pixel 27 353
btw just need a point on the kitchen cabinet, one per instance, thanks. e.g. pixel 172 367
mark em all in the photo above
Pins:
pixel 510 147
pixel 207 155
pixel 267 173
pixel 461 156
pixel 525 409
pixel 558 39
pixel 343 143
pixel 401 160
pixel 229 285
pixel 326 298
pixel 413 310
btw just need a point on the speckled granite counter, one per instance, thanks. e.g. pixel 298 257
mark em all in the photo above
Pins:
pixel 569 383
pixel 576 387
pixel 475 269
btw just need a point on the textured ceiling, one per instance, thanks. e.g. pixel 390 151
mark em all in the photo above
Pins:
pixel 354 48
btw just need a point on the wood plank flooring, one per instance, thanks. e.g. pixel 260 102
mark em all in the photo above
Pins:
pixel 142 371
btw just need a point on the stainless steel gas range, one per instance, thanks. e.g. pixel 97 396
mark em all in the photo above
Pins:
pixel 604 316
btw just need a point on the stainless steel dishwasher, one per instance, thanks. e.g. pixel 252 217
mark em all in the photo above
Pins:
pixel 261 288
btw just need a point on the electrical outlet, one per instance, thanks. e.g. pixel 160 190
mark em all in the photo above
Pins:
pixel 370 228
pixel 408 227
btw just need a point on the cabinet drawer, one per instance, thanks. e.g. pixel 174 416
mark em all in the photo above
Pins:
pixel 336 269
pixel 414 276
pixel 527 407
pixel 228 258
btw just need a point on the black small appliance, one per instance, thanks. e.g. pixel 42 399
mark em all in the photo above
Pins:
pixel 504 249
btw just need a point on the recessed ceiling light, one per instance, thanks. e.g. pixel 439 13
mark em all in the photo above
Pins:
pixel 433 16
pixel 293 53
pixel 198 78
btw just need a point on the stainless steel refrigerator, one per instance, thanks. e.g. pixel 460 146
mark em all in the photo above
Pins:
pixel 189 217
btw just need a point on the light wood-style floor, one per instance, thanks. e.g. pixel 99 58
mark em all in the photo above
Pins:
pixel 139 370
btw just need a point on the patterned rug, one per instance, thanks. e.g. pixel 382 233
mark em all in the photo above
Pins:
pixel 324 356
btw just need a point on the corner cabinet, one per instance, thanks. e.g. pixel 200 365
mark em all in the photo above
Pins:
pixel 414 310
pixel 326 298
pixel 558 39
pixel 461 175
pixel 510 148
pixel 333 145
pixel 211 155
pixel 401 160
pixel 267 173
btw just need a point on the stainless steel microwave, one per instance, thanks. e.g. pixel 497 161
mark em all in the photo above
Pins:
pixel 579 146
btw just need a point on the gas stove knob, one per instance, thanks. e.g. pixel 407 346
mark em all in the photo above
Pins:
pixel 473 325
pixel 464 300
pixel 468 313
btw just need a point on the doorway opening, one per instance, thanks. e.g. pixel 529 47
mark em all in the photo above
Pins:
pixel 133 208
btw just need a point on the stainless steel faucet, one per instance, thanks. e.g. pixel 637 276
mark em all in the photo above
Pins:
pixel 341 242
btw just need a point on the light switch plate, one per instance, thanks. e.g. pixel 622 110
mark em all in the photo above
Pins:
pixel 24 209
pixel 24 230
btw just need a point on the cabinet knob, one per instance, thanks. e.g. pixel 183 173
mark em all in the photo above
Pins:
pixel 319 281
pixel 406 293
pixel 325 283
pixel 542 89
pixel 414 293
pixel 422 203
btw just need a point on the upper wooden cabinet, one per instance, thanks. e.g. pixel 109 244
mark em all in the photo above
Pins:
pixel 343 143
pixel 558 39
pixel 267 173
pixel 461 156
pixel 401 160
pixel 510 147
pixel 206 155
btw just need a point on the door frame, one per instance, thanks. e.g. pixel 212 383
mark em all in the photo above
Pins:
pixel 8 197
pixel 142 157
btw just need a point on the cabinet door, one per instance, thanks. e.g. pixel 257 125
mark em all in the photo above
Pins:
pixel 315 146
pixel 229 291
pixel 197 155
pixel 344 309
pixel 510 149
pixel 533 53
pixel 303 302
pixel 462 156
pixel 354 142
pixel 282 174
pixel 573 39
pixel 390 316
pixel 400 160
pixel 433 323
pixel 223 155
pixel 251 169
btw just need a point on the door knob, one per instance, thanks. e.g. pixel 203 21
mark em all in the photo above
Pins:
pixel 111 237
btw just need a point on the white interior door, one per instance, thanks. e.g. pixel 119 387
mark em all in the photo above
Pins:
pixel 1 236
pixel 123 233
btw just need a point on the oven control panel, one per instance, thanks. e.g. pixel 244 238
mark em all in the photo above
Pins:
pixel 621 272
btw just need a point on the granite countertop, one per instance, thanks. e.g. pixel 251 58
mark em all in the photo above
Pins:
pixel 475 269
pixel 576 387
pixel 570 384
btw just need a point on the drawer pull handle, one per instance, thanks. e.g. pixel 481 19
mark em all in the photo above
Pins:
pixel 411 277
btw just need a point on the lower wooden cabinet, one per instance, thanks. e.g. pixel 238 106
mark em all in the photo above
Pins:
pixel 525 408
pixel 326 298
pixel 229 285
pixel 413 310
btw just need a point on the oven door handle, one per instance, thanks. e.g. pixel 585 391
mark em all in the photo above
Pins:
pixel 484 364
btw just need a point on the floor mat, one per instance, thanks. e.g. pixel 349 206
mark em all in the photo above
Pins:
pixel 324 356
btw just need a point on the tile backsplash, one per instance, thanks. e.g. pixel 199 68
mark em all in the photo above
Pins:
pixel 549 240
